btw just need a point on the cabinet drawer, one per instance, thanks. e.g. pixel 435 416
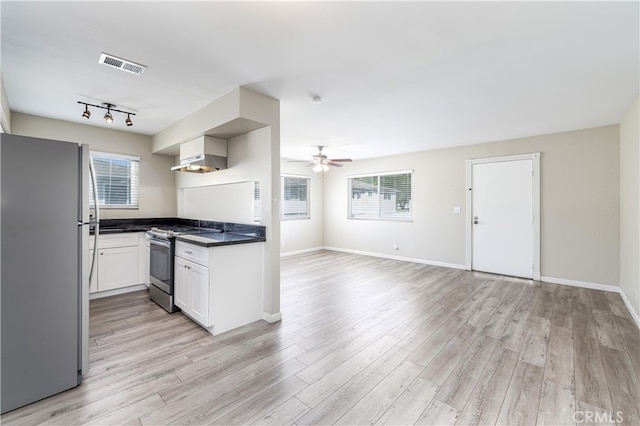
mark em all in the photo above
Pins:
pixel 120 240
pixel 196 254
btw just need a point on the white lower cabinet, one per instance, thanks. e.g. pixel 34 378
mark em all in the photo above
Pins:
pixel 219 287
pixel 143 259
pixel 118 262
pixel 192 292
pixel 182 284
pixel 117 267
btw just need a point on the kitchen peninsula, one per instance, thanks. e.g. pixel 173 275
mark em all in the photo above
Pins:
pixel 218 280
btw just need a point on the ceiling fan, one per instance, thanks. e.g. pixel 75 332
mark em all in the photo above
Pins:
pixel 321 162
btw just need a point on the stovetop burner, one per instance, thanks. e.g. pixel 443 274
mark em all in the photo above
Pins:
pixel 172 231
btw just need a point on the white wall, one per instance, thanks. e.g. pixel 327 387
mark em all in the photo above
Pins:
pixel 157 195
pixel 580 224
pixel 227 202
pixel 629 208
pixel 300 235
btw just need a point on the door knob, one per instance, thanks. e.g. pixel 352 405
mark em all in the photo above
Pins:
pixel 475 220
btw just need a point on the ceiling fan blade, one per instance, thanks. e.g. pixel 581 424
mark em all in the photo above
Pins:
pixel 343 160
pixel 331 163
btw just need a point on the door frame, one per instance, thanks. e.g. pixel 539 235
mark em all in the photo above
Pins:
pixel 535 157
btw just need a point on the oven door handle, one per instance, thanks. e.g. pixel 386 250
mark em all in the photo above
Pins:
pixel 162 243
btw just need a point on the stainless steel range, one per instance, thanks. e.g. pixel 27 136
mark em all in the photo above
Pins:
pixel 161 273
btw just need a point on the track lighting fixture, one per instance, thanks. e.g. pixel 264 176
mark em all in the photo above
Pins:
pixel 108 117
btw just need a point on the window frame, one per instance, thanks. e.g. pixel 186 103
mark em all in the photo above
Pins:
pixel 307 214
pixel 133 183
pixel 379 217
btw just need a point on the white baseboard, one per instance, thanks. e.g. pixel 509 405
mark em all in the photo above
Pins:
pixel 272 317
pixel 633 313
pixel 117 291
pixel 584 284
pixel 563 281
pixel 595 286
pixel 401 258
pixel 293 253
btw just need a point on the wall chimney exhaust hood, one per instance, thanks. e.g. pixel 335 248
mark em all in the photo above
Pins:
pixel 202 155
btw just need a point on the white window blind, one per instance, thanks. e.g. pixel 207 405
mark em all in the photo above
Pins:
pixel 295 197
pixel 118 180
pixel 384 196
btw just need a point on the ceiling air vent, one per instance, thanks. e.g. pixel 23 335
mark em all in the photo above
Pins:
pixel 122 64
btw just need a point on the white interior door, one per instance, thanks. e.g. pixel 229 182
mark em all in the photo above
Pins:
pixel 502 217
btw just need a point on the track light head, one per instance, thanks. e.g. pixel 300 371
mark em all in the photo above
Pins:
pixel 128 120
pixel 86 114
pixel 108 117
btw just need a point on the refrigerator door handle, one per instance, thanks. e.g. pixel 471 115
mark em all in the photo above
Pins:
pixel 96 231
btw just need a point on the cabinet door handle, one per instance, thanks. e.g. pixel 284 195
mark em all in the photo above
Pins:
pixel 188 251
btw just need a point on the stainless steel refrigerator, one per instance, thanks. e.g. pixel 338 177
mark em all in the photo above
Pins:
pixel 44 287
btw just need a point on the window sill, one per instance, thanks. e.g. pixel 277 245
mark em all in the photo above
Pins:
pixel 380 219
pixel 122 207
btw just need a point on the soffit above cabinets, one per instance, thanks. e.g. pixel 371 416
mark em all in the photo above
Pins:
pixel 234 128
pixel 238 112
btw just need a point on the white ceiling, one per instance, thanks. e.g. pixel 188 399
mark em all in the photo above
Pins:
pixel 395 77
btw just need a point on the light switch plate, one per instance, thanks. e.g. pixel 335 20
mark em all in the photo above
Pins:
pixel 457 210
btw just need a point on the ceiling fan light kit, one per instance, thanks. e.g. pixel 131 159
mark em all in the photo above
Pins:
pixel 108 117
pixel 320 168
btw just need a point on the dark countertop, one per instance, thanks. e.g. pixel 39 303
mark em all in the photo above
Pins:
pixel 107 230
pixel 213 233
pixel 213 239
pixel 121 226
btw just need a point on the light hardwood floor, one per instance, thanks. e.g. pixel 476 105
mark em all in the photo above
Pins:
pixel 365 340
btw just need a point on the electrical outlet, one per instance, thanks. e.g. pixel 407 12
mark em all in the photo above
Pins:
pixel 283 244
